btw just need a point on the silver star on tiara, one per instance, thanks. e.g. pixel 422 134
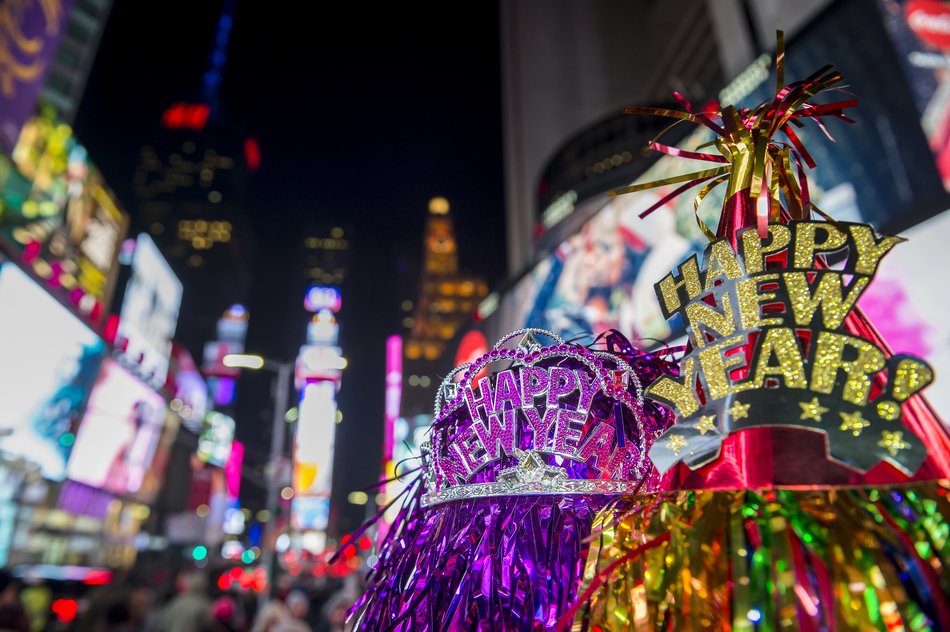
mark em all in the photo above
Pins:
pixel 532 473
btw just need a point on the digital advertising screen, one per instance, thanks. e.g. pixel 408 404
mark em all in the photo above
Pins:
pixel 60 216
pixel 313 455
pixel 214 443
pixel 49 364
pixel 119 433
pixel 906 306
pixel 149 313
pixel 920 31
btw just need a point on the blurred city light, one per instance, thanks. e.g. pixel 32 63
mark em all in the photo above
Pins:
pixel 235 360
pixel 323 358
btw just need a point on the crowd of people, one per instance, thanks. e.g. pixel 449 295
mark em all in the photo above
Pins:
pixel 189 605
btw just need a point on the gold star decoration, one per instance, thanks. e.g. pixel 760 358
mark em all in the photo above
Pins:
pixel 739 411
pixel 854 422
pixel 705 423
pixel 813 410
pixel 676 444
pixel 893 441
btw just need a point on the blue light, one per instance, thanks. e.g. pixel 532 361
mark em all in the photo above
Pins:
pixel 225 23
pixel 754 615
pixel 254 535
pixel 199 553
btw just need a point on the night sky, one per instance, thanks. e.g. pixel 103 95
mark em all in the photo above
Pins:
pixel 362 115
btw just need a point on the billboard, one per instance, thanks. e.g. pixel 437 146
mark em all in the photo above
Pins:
pixel 879 170
pixel 60 216
pixel 50 359
pixel 32 33
pixel 904 306
pixel 149 314
pixel 214 443
pixel 313 455
pixel 919 31
pixel 119 433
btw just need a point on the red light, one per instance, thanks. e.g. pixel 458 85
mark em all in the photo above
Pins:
pixel 290 557
pixel 260 572
pixel 294 569
pixel 304 554
pixel 349 551
pixel 97 578
pixel 344 540
pixel 236 573
pixel 224 582
pixel 342 570
pixel 65 609
pixel 246 580
pixel 186 115
pixel 319 570
pixel 111 328
pixel 365 543
pixel 259 583
pixel 252 154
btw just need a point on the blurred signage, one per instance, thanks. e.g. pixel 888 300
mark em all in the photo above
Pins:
pixel 32 32
pixel 472 346
pixel 188 386
pixel 322 297
pixel 930 21
pixel 61 215
pixel 155 475
pixel 920 32
pixel 214 443
pixel 323 329
pixel 231 332
pixel 183 115
pixel 904 307
pixel 232 469
pixel 313 455
pixel 317 362
pixel 50 359
pixel 149 314
pixel 393 393
pixel 212 363
pixel 119 433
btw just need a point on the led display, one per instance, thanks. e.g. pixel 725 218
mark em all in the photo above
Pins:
pixel 119 434
pixel 49 363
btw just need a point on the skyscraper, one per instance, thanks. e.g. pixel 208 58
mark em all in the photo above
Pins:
pixel 446 301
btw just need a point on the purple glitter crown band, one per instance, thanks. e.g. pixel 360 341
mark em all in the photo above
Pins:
pixel 552 423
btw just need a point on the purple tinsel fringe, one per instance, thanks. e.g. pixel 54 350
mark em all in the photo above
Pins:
pixel 488 564
pixel 495 564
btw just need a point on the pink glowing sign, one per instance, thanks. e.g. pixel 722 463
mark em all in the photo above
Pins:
pixel 232 468
pixel 393 391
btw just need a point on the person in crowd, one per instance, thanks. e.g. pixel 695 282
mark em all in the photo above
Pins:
pixel 188 612
pixel 296 606
pixel 12 613
pixel 119 618
pixel 223 610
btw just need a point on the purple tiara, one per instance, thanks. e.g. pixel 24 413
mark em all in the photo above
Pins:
pixel 551 423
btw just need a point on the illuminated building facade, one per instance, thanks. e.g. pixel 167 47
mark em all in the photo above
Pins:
pixel 446 301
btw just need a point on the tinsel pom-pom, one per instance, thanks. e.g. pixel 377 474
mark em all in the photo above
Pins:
pixel 505 564
pixel 872 558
